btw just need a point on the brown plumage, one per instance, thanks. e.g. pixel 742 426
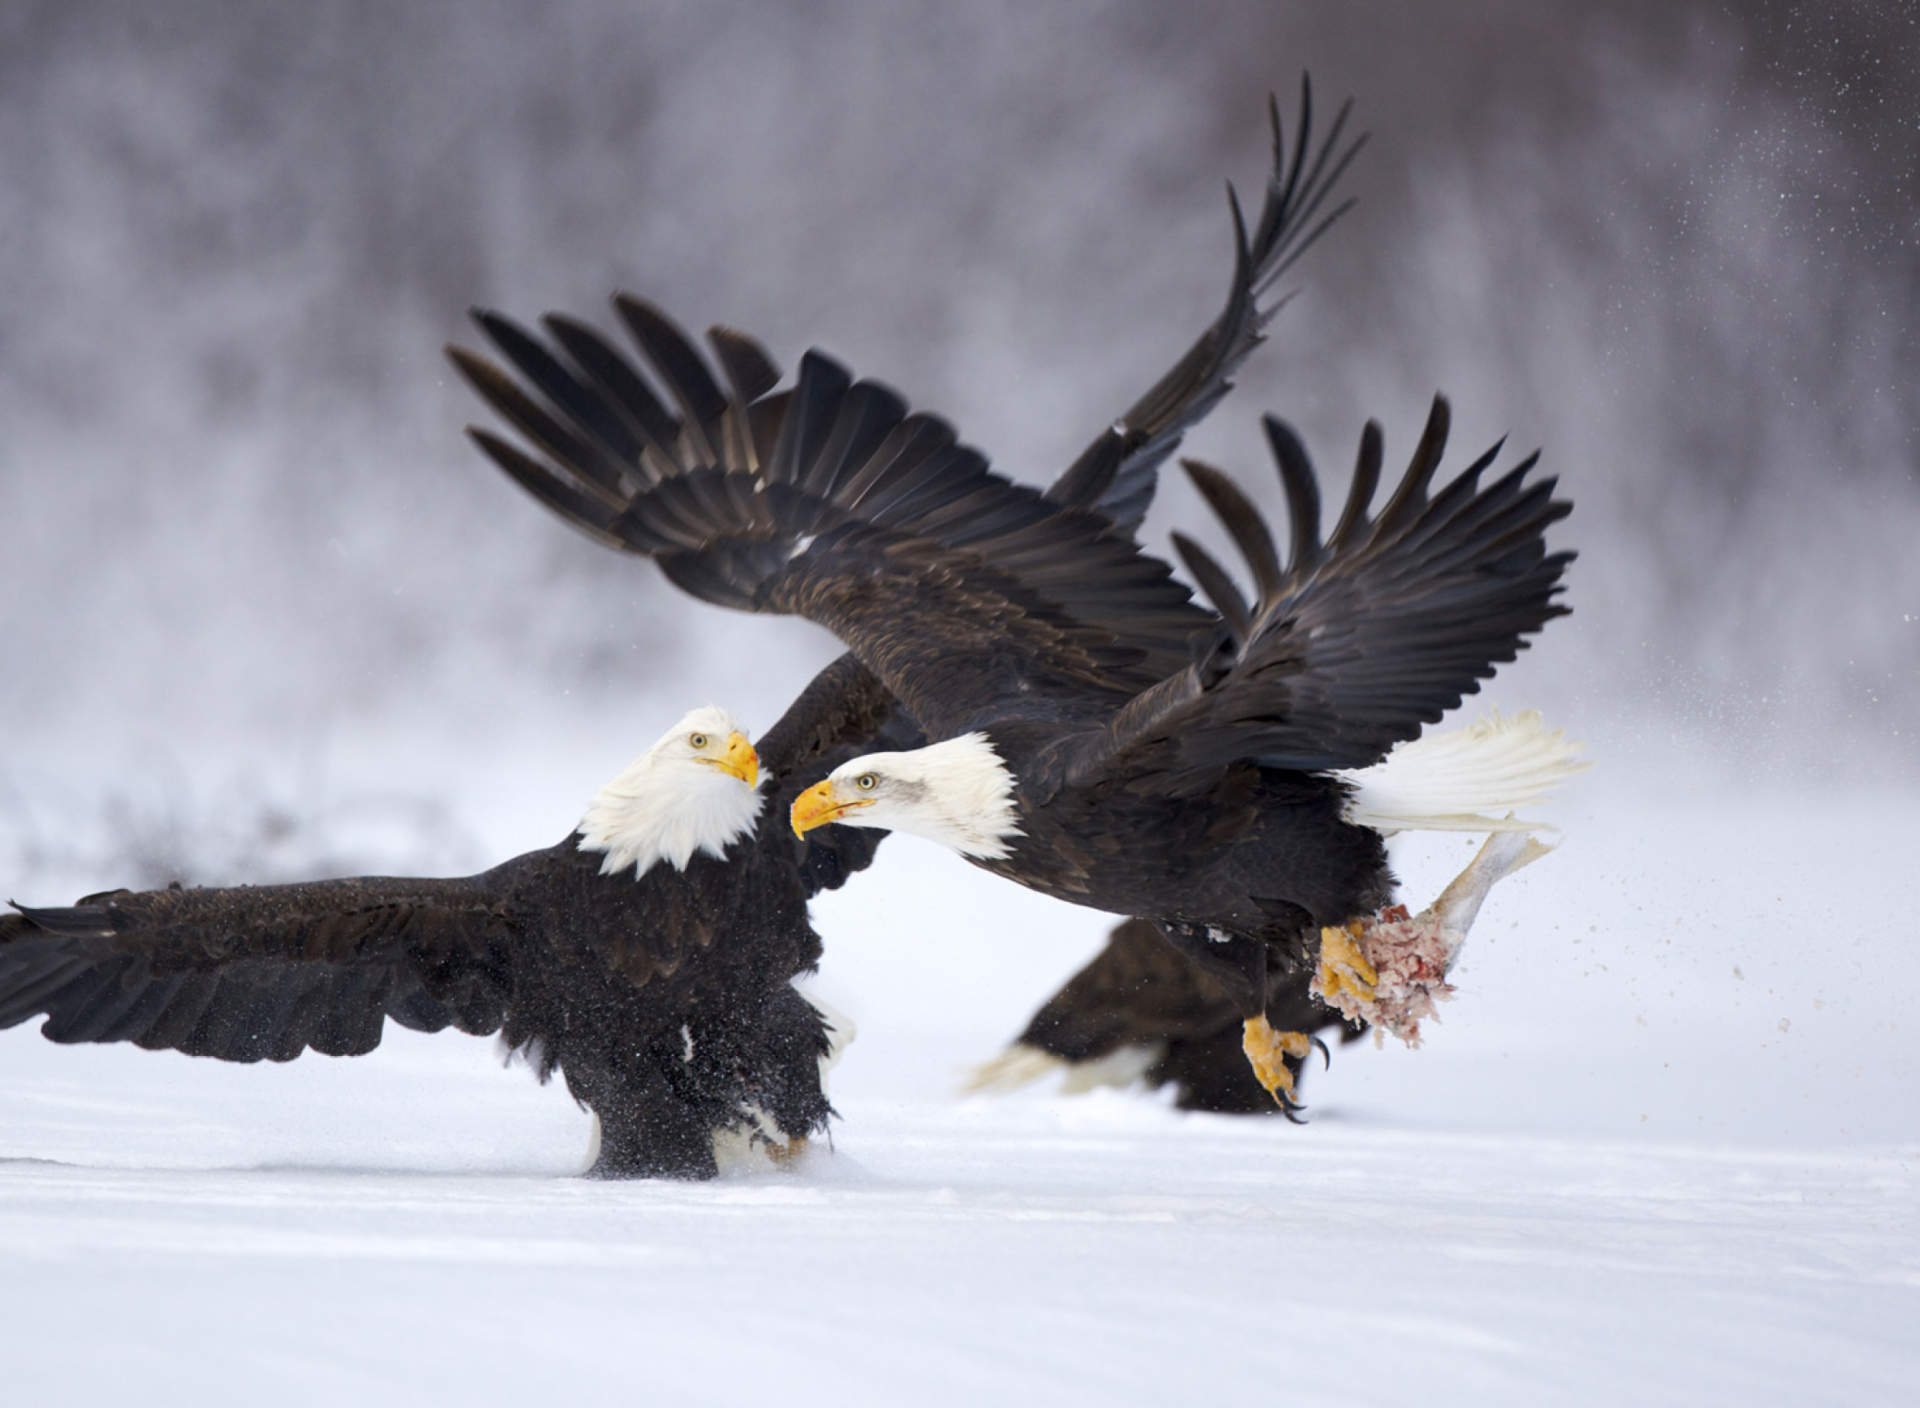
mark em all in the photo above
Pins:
pixel 1139 995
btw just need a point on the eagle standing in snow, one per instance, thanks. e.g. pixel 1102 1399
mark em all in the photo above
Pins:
pixel 648 957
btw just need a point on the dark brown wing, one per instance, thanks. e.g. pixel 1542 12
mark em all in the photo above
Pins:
pixel 260 972
pixel 1362 638
pixel 832 501
pixel 844 706
pixel 1117 474
pixel 1139 991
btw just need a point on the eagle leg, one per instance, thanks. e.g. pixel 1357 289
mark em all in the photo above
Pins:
pixel 1275 1056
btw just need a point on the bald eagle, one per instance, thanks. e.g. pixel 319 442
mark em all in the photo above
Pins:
pixel 1240 801
pixel 648 957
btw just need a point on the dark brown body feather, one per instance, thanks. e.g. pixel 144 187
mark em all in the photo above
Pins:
pixel 665 1002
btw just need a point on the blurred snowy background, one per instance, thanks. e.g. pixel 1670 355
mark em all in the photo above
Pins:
pixel 258 580
pixel 267 615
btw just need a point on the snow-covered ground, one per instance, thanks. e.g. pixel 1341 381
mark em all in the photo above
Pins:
pixel 267 617
pixel 1663 1149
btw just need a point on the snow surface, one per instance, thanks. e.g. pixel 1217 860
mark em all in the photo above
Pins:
pixel 1663 1149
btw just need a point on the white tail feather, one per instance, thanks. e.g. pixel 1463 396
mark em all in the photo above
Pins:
pixel 1121 1068
pixel 1021 1064
pixel 1018 1065
pixel 1467 779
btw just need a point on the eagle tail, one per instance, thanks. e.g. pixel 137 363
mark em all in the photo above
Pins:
pixel 1021 1065
pixel 1466 779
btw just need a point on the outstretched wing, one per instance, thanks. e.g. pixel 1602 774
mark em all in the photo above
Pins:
pixel 844 707
pixel 264 972
pixel 966 595
pixel 1116 475
pixel 1363 637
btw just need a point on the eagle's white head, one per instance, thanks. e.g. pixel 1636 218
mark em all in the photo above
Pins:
pixel 694 790
pixel 958 793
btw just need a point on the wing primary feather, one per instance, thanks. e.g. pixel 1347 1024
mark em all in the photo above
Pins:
pixel 822 386
pixel 596 471
pixel 1283 194
pixel 1318 186
pixel 1366 479
pixel 751 373
pixel 750 370
pixel 681 367
pixel 1478 467
pixel 587 410
pixel 81 921
pixel 1302 179
pixel 1411 494
pixel 1303 495
pixel 623 385
pixel 589 515
pixel 1243 521
pixel 1218 586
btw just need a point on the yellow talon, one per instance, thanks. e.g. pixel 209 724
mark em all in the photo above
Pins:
pixel 785 1155
pixel 1342 966
pixel 1267 1050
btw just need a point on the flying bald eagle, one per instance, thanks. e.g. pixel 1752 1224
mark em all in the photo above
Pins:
pixel 1239 802
pixel 648 957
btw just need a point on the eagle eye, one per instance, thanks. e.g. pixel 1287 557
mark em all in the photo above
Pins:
pixel 698 740
pixel 866 782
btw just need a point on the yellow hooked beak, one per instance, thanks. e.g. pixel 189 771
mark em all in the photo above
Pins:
pixel 739 760
pixel 817 806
